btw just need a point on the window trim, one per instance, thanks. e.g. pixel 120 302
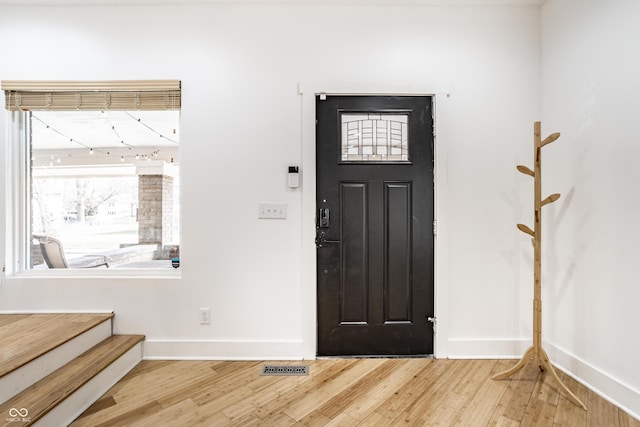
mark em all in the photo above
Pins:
pixel 17 181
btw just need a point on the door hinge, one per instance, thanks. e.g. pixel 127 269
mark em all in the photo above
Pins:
pixel 433 320
pixel 435 227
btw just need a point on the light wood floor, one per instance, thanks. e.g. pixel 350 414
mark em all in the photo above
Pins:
pixel 25 337
pixel 345 392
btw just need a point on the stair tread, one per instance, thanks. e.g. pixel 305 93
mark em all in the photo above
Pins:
pixel 44 395
pixel 26 337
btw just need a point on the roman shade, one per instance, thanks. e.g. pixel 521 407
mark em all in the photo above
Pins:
pixel 123 95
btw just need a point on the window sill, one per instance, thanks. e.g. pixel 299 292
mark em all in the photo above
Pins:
pixel 101 273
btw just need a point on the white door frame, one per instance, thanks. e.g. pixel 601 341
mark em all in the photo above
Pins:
pixel 308 92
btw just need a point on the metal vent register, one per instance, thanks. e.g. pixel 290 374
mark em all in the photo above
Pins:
pixel 288 370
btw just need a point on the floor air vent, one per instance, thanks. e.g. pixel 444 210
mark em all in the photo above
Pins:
pixel 290 370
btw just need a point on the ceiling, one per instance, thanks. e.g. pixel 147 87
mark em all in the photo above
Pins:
pixel 54 3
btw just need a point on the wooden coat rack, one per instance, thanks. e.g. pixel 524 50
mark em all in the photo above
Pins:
pixel 536 352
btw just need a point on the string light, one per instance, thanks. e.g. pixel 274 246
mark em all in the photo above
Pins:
pixel 60 133
pixel 139 120
pixel 92 151
pixel 113 128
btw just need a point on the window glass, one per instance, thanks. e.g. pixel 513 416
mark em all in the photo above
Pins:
pixel 104 189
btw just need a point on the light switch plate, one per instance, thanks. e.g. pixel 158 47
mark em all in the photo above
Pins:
pixel 272 210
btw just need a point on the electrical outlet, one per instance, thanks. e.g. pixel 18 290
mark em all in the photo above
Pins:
pixel 205 316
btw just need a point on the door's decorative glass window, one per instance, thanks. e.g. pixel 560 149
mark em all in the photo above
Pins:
pixel 375 137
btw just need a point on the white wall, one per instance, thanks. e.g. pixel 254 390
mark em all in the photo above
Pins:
pixel 243 122
pixel 591 87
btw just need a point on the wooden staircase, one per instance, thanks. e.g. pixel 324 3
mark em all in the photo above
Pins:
pixel 54 366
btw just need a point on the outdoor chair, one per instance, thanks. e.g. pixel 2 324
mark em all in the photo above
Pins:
pixel 53 255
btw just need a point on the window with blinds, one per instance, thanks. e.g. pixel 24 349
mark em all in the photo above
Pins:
pixel 147 95
pixel 102 173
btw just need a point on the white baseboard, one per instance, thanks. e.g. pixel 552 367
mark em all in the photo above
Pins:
pixel 222 350
pixel 611 389
pixel 486 349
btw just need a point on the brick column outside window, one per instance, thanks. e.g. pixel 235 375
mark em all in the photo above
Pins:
pixel 155 203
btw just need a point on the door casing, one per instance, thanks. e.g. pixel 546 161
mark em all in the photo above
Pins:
pixel 308 92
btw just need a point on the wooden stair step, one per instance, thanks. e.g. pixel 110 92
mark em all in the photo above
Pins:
pixel 26 337
pixel 44 395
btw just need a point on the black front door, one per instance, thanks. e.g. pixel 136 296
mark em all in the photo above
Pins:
pixel 374 233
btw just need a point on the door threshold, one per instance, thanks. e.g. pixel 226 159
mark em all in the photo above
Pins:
pixel 369 356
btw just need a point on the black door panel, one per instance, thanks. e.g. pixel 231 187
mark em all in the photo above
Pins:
pixel 375 242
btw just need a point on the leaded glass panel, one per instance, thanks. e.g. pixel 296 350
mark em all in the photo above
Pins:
pixel 375 137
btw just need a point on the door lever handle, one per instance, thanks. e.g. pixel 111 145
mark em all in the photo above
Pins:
pixel 321 239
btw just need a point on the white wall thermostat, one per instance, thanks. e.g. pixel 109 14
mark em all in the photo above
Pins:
pixel 293 178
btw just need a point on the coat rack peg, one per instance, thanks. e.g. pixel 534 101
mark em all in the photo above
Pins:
pixel 525 170
pixel 536 352
pixel 526 230
pixel 552 198
pixel 550 139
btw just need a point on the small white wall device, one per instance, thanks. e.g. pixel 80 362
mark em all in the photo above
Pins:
pixel 293 178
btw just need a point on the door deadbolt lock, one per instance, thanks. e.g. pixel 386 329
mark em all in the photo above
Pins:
pixel 323 218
